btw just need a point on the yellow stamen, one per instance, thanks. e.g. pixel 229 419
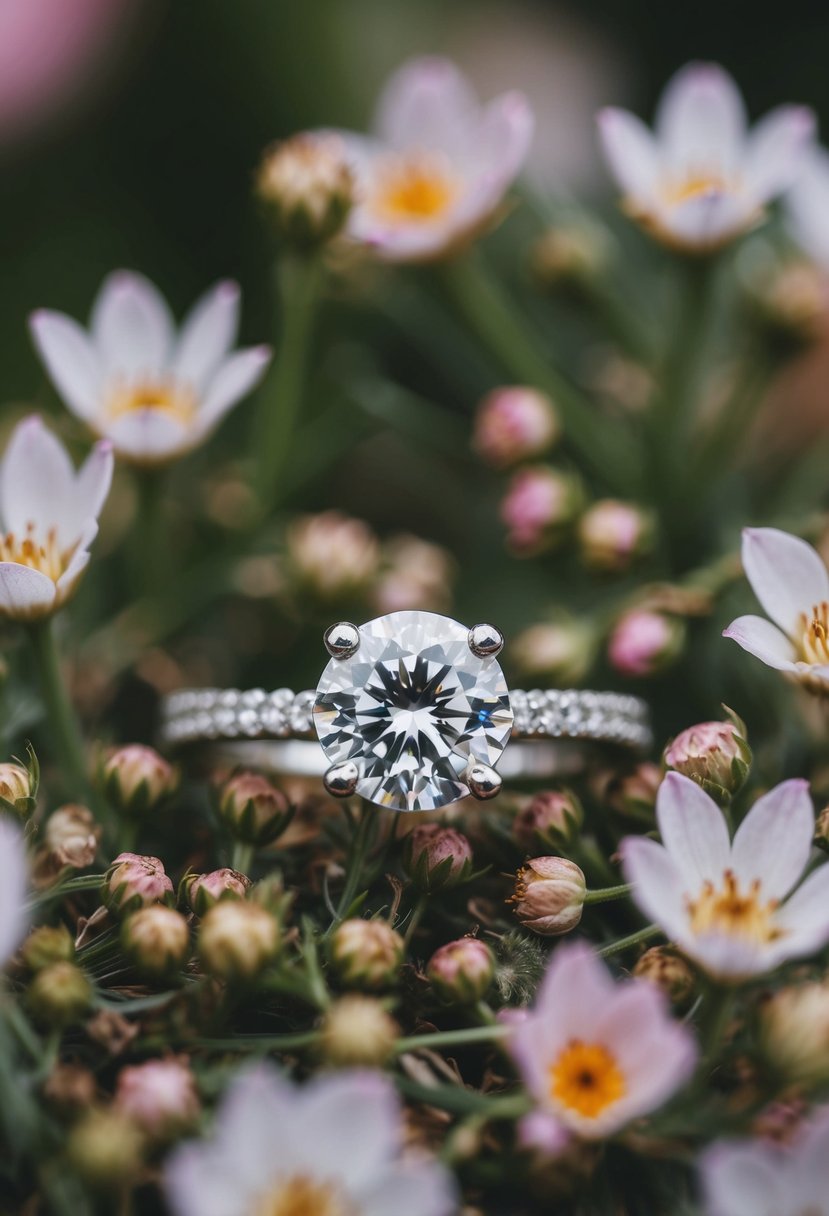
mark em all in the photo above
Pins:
pixel 731 912
pixel 814 631
pixel 38 553
pixel 414 189
pixel 164 395
pixel 300 1195
pixel 697 185
pixel 586 1079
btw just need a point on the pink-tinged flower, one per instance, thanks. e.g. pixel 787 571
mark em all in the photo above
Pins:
pixel 759 1178
pixel 155 393
pixel 135 881
pixel 728 904
pixel 514 423
pixel 596 1054
pixel 644 642
pixel 807 205
pixel 540 504
pixel 415 574
pixel 159 1096
pixel 548 896
pixel 435 170
pixel 701 177
pixel 13 883
pixel 328 1147
pixel 331 554
pixel 49 515
pixel 714 754
pixel 613 534
pixel 792 584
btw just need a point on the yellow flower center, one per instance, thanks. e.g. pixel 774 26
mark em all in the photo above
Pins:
pixel 696 185
pixel 735 913
pixel 814 635
pixel 586 1078
pixel 164 395
pixel 39 553
pixel 300 1195
pixel 414 189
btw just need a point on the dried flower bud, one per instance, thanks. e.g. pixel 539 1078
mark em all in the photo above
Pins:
pixel 332 556
pixel 156 940
pixel 513 424
pixel 237 939
pixel 462 971
pixel 549 895
pixel 69 1090
pixel 612 535
pixel 366 953
pixel 435 857
pixel 134 881
pixel 633 794
pixel 357 1033
pixel 669 971
pixel 71 836
pixel 571 255
pixel 18 787
pixel 562 651
pixel 46 945
pixel 415 574
pixel 255 811
pixel 643 642
pixel 551 819
pixel 59 994
pixel 794 1033
pixel 787 296
pixel 307 188
pixel 159 1097
pixel 105 1150
pixel 201 891
pixel 135 778
pixel 822 830
pixel 714 754
pixel 540 505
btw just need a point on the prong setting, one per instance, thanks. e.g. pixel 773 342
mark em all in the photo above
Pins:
pixel 342 640
pixel 341 779
pixel 483 781
pixel 485 641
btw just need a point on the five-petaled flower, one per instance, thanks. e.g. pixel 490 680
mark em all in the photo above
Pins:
pixel 435 170
pixel 596 1054
pixel 701 178
pixel 792 583
pixel 329 1148
pixel 132 379
pixel 49 515
pixel 727 904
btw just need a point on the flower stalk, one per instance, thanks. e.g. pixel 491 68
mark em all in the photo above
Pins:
pixel 65 732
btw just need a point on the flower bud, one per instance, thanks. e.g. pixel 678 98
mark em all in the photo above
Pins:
pixel 643 643
pixel 255 811
pixel 436 857
pixel 541 504
pixel 133 882
pixel 514 423
pixel 551 819
pixel 105 1150
pixel 59 995
pixel 549 895
pixel 462 971
pixel 307 188
pixel 201 891
pixel 159 1097
pixel 633 794
pixel 570 256
pixel 357 1033
pixel 366 953
pixel 562 651
pixel 135 779
pixel 822 830
pixel 237 940
pixel 46 945
pixel 794 1033
pixel 69 1090
pixel 612 535
pixel 18 787
pixel 415 574
pixel 156 940
pixel 71 836
pixel 669 971
pixel 331 555
pixel 786 296
pixel 714 754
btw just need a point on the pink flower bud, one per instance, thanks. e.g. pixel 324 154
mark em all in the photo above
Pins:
pixel 613 534
pixel 644 642
pixel 18 789
pixel 367 953
pixel 514 423
pixel 560 650
pixel 461 971
pixel 634 793
pixel 540 504
pixel 714 754
pixel 253 808
pixel 237 940
pixel 71 835
pixel 159 1097
pixel 133 882
pixel 156 940
pixel 307 187
pixel 415 574
pixel 551 818
pixel 332 555
pixel 435 857
pixel 136 779
pixel 549 895
pixel 202 891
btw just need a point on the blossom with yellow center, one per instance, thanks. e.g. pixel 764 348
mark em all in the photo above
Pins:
pixel 729 904
pixel 153 392
pixel 595 1054
pixel 412 189
pixel 300 1195
pixel 700 178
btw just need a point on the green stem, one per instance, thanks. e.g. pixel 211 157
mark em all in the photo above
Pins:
pixel 355 861
pixel 299 283
pixel 242 857
pixel 151 541
pixel 715 1016
pixel 438 1039
pixel 633 939
pixel 65 733
pixel 608 893
pixel 72 886
pixel 415 918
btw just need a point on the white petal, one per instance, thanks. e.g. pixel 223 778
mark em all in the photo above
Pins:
pixel 70 359
pixel 426 104
pixel 92 485
pixel 132 326
pixel 787 575
pixel 574 990
pixel 502 141
pixel 234 379
pixel 808 206
pixel 727 957
pixel 808 1170
pixel 701 120
pixel 13 883
pixel 78 562
pixel 774 840
pixel 658 885
pixel 199 1181
pixel 765 641
pixel 413 1189
pixel 708 219
pixel 207 334
pixel 259 1128
pixel 150 436
pixel 776 150
pixel 805 917
pixel 693 829
pixel 357 1125
pixel 742 1180
pixel 631 153
pixel 25 594
pixel 36 479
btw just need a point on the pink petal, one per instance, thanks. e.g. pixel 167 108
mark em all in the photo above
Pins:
pixel 787 575
pixel 427 104
pixel 659 887
pixel 416 1188
pixel 70 359
pixel 774 840
pixel 631 153
pixel 742 1180
pixel 765 641
pixel 693 830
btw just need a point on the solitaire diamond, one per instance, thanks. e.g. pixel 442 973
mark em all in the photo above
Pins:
pixel 411 708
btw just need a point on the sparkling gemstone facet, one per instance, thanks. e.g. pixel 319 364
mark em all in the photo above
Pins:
pixel 412 707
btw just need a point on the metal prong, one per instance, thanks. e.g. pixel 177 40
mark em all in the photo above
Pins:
pixel 485 641
pixel 341 779
pixel 483 781
pixel 342 640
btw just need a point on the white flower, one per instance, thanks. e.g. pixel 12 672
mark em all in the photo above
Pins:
pixel 13 884
pixel 792 584
pixel 807 204
pixel 49 515
pixel 728 904
pixel 327 1148
pixel 594 1053
pixel 701 178
pixel 132 379
pixel 436 168
pixel 752 1178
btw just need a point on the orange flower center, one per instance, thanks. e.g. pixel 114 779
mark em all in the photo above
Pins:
pixel 414 189
pixel 300 1195
pixel 814 635
pixel 696 185
pixel 164 395
pixel 735 913
pixel 586 1079
pixel 38 553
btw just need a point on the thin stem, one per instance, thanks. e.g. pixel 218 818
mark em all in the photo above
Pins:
pixel 453 1038
pixel 633 939
pixel 715 1016
pixel 65 733
pixel 607 893
pixel 72 886
pixel 150 541
pixel 415 918
pixel 357 852
pixel 242 857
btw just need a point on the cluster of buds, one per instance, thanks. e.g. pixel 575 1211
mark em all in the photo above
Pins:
pixel 549 895
pixel 714 754
pixel 644 642
pixel 668 971
pixel 135 779
pixel 159 1097
pixel 514 423
pixel 540 507
pixel 238 939
pixel 366 953
pixel 331 556
pixel 794 1032
pixel 254 809
pixel 561 650
pixel 156 940
pixel 18 786
pixel 550 819
pixel 307 188
pixel 414 574
pixel 357 1032
pixel 613 534
pixel 134 881
pixel 59 994
pixel 461 972
pixel 436 857
pixel 199 892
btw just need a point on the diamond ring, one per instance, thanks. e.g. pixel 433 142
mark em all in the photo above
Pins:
pixel 411 713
